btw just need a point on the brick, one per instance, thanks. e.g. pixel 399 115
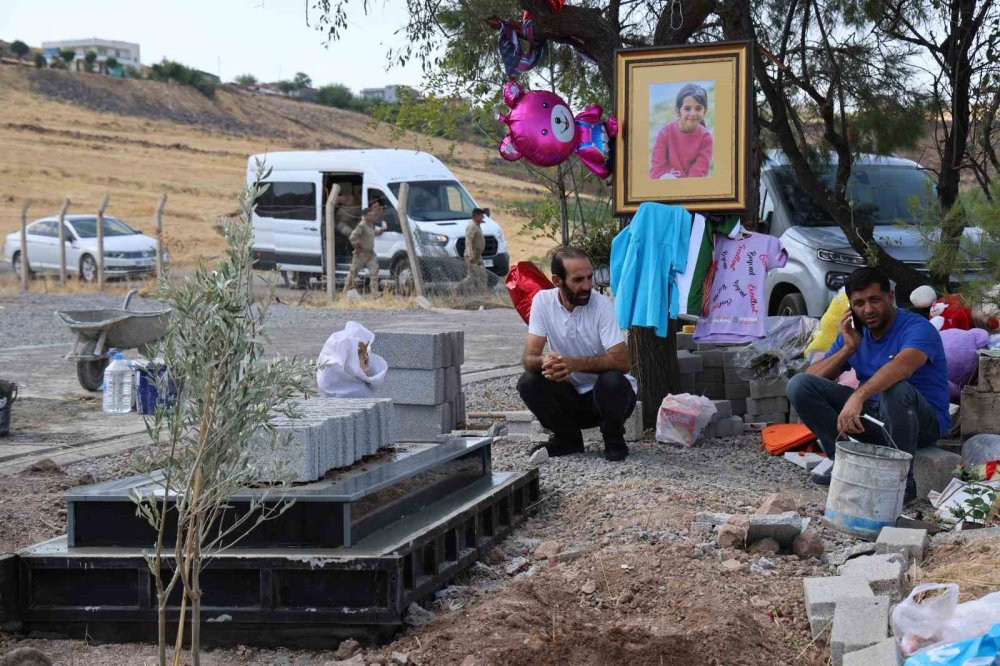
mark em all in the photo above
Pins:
pixel 414 387
pixel 858 624
pixel 723 408
pixel 712 375
pixel 883 573
pixel 909 543
pixel 688 363
pixel 934 469
pixel 685 341
pixel 738 391
pixel 989 374
pixel 769 388
pixel 980 412
pixel 767 405
pixel 782 527
pixel 823 595
pixel 770 417
pixel 412 350
pixel 885 653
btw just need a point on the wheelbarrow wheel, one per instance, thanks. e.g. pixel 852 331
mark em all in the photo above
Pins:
pixel 91 373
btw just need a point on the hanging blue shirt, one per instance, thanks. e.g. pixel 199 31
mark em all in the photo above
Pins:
pixel 908 331
pixel 646 258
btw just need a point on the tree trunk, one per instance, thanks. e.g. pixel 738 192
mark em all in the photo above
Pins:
pixel 654 363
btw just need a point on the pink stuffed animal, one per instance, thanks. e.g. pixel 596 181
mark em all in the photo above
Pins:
pixel 961 349
pixel 543 131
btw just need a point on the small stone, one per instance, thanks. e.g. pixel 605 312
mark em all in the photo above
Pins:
pixel 86 479
pixel 548 550
pixel 732 565
pixel 347 649
pixel 777 503
pixel 569 555
pixel 417 615
pixel 732 536
pixel 539 457
pixel 533 643
pixel 763 565
pixel 517 565
pixel 400 658
pixel 765 545
pixel 808 544
pixel 589 587
pixel 46 466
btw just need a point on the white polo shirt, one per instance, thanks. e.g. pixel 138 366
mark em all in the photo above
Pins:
pixel 589 330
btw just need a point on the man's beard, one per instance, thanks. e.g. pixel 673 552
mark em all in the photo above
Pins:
pixel 580 298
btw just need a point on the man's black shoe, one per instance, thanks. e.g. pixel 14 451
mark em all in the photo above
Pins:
pixel 560 446
pixel 615 449
pixel 820 479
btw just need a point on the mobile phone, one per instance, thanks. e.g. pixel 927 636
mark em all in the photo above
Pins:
pixel 856 321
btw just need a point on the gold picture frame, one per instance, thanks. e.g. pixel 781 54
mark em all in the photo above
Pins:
pixel 684 114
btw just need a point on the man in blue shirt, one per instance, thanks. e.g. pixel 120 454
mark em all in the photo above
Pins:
pixel 900 362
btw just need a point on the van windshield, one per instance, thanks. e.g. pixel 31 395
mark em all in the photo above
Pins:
pixel 436 201
pixel 883 192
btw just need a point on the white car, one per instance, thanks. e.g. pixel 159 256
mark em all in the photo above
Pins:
pixel 126 251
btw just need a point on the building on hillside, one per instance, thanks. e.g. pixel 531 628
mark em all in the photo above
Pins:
pixel 387 94
pixel 126 53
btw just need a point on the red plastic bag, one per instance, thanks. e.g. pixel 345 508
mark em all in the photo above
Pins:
pixel 523 282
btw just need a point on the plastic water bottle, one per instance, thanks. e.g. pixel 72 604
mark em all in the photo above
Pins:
pixel 118 386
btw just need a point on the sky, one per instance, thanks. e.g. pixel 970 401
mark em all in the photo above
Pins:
pixel 266 38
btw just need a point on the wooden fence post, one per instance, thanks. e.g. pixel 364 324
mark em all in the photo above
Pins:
pixel 62 243
pixel 100 242
pixel 331 245
pixel 411 246
pixel 159 236
pixel 24 244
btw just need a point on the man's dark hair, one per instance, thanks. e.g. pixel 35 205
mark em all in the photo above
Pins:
pixel 862 278
pixel 561 255
pixel 478 211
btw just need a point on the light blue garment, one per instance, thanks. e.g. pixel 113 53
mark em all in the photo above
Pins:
pixel 646 258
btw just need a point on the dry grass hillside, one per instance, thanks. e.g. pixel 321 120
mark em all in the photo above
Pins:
pixel 84 135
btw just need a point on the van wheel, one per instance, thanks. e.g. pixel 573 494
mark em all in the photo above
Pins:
pixel 792 305
pixel 88 268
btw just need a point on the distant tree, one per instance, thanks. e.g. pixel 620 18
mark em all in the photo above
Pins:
pixel 302 80
pixel 67 56
pixel 111 64
pixel 336 94
pixel 245 80
pixel 40 61
pixel 169 70
pixel 131 72
pixel 89 59
pixel 19 48
pixel 286 86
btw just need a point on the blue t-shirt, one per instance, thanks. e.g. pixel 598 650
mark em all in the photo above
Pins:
pixel 908 331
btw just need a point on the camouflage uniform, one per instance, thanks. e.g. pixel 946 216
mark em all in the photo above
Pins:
pixel 363 243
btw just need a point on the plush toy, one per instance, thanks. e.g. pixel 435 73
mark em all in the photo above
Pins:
pixel 950 311
pixel 829 324
pixel 543 131
pixel 961 349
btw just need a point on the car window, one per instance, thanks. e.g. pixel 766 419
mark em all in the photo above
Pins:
pixel 288 201
pixel 437 201
pixel 87 227
pixel 46 228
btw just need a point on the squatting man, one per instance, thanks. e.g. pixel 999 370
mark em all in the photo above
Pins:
pixel 900 363
pixel 583 380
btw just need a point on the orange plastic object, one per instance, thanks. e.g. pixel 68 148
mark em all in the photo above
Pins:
pixel 783 437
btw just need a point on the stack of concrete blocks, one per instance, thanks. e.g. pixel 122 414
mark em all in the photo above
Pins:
pixel 724 423
pixel 331 433
pixel 981 403
pixel 719 377
pixel 424 380
pixel 767 402
pixel 851 610
pixel 689 366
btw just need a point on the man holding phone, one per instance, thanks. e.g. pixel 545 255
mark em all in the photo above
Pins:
pixel 899 360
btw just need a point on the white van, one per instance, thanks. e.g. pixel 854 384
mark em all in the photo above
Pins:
pixel 289 234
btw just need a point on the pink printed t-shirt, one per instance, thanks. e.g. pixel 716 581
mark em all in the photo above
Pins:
pixel 690 155
pixel 736 307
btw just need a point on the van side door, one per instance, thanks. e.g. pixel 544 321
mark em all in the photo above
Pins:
pixel 392 238
pixel 291 209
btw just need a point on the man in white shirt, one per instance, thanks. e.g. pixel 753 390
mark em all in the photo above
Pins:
pixel 583 380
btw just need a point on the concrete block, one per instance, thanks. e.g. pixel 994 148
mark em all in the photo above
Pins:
pixel 452 383
pixel 989 375
pixel 414 387
pixel 460 414
pixel 712 358
pixel 934 469
pixel 768 388
pixel 733 358
pixel 883 573
pixel 804 459
pixel 980 412
pixel 711 390
pixel 738 391
pixel 909 543
pixel 858 624
pixel 685 341
pixel 782 527
pixel 739 406
pixel 730 426
pixel 767 405
pixel 687 384
pixel 723 408
pixel 823 595
pixel 523 416
pixel 459 348
pixel 712 375
pixel 770 417
pixel 688 363
pixel 412 350
pixel 885 653
pixel 424 423
pixel 734 375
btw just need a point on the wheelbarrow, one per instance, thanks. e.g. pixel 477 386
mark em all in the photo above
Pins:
pixel 100 330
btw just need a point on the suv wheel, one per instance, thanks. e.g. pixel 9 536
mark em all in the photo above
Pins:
pixel 791 305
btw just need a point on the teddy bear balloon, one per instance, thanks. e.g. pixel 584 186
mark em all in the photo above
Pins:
pixel 543 131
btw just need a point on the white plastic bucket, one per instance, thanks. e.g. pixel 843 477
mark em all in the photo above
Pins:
pixel 866 488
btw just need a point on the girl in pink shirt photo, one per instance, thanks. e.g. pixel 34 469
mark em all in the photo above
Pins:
pixel 683 148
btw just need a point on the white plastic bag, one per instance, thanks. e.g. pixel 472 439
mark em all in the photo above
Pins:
pixel 341 374
pixel 931 615
pixel 682 418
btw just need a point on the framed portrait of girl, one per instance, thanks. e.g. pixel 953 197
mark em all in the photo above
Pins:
pixel 684 115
